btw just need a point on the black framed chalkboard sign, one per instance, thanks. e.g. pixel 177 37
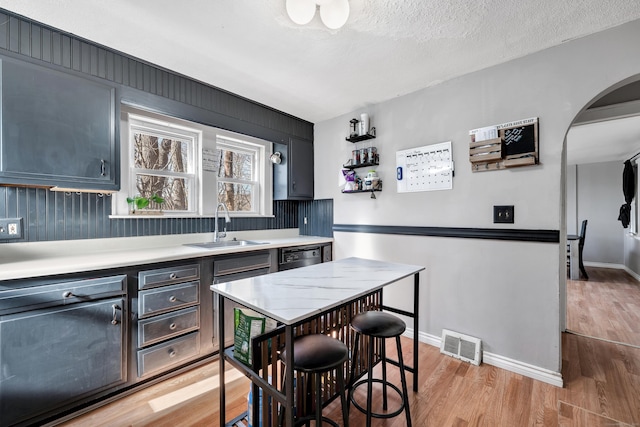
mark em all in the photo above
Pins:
pixel 504 146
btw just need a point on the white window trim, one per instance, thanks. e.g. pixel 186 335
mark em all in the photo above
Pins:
pixel 170 129
pixel 262 149
pixel 205 197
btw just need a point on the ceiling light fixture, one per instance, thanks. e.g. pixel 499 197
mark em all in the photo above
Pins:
pixel 333 13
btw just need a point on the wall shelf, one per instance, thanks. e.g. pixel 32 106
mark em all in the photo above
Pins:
pixel 360 191
pixel 358 138
pixel 360 165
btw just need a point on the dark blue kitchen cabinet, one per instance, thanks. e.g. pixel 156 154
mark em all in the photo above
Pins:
pixel 53 357
pixel 293 177
pixel 60 342
pixel 58 128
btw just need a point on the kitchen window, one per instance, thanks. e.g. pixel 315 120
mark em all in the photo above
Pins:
pixel 240 172
pixel 162 164
pixel 191 167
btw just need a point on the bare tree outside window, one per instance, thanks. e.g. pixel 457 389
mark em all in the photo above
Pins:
pixel 161 165
pixel 236 181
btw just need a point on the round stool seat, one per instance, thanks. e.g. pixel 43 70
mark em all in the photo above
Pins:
pixel 317 353
pixel 378 324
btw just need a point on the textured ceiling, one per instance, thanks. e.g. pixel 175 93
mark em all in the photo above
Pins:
pixel 387 47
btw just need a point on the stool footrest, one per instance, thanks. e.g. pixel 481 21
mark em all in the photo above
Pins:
pixel 376 414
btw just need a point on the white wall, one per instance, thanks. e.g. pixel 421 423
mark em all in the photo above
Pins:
pixel 572 200
pixel 599 196
pixel 506 293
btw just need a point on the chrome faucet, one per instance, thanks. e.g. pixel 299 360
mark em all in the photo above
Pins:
pixel 217 235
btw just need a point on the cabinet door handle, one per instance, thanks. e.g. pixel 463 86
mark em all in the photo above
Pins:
pixel 173 298
pixel 114 320
pixel 103 167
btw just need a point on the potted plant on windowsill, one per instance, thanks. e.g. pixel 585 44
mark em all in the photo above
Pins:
pixel 138 205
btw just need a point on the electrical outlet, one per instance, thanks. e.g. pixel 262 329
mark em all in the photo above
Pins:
pixel 10 228
pixel 503 214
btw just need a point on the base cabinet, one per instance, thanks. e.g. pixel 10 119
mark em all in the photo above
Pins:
pixel 53 357
pixel 68 341
pixel 168 313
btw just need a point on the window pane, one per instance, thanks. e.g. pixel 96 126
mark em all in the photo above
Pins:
pixel 174 191
pixel 157 153
pixel 234 164
pixel 236 197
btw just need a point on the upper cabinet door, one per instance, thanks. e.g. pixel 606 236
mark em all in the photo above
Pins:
pixel 293 177
pixel 300 169
pixel 58 129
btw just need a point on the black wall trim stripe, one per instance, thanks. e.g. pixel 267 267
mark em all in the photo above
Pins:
pixel 546 236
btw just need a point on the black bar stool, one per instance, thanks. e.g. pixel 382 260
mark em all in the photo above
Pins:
pixel 315 355
pixel 378 324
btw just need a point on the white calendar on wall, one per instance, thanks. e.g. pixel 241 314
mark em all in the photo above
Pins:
pixel 425 168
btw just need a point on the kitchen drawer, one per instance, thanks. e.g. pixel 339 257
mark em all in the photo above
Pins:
pixel 65 292
pixel 160 300
pixel 170 325
pixel 236 263
pixel 161 356
pixel 240 275
pixel 166 276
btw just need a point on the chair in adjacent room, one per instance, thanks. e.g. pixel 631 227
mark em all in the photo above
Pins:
pixel 378 325
pixel 581 238
pixel 583 232
pixel 315 355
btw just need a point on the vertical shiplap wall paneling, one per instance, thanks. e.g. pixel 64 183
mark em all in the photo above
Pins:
pixel 51 215
pixel 319 214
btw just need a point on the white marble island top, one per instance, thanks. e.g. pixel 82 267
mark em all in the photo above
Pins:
pixel 293 295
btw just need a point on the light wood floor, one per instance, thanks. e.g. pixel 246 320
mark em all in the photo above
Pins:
pixel 602 388
pixel 605 306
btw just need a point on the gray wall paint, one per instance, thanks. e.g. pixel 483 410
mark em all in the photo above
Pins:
pixel 506 293
pixel 572 200
pixel 598 191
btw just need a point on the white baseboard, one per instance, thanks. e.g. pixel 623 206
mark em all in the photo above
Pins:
pixel 511 365
pixel 616 266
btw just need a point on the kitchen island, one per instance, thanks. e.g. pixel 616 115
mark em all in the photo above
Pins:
pixel 295 297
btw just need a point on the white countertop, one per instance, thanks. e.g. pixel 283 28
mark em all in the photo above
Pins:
pixel 293 295
pixel 23 260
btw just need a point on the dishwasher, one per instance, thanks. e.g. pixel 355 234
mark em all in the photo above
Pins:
pixel 227 268
pixel 301 256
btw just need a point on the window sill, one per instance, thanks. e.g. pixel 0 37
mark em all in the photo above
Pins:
pixel 170 216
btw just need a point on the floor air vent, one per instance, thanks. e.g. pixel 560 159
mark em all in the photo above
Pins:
pixel 461 346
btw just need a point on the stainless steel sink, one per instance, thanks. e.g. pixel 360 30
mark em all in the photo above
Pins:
pixel 225 244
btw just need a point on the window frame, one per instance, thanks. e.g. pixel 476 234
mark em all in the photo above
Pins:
pixel 254 151
pixel 175 131
pixel 204 194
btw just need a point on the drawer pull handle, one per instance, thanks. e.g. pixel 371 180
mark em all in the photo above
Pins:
pixel 173 326
pixel 172 353
pixel 173 298
pixel 115 308
pixel 67 294
pixel 173 276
